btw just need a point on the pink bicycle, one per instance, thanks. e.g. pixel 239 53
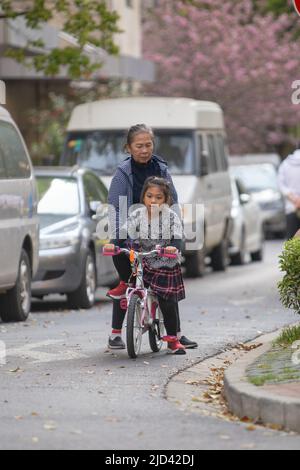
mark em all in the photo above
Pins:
pixel 143 312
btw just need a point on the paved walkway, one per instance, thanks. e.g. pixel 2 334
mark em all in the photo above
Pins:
pixel 221 386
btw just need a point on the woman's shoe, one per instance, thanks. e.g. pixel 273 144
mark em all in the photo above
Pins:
pixel 187 343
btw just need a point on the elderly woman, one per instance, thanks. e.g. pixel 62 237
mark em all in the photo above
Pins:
pixel 128 182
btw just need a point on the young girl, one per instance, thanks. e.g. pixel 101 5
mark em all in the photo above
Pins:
pixel 156 224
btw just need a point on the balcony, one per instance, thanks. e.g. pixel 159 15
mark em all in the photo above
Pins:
pixel 15 34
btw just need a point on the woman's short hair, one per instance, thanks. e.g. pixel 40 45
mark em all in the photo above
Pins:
pixel 138 129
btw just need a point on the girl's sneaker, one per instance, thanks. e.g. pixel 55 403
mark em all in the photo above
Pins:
pixel 116 343
pixel 118 292
pixel 174 345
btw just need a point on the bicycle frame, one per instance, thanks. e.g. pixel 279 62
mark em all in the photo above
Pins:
pixel 149 302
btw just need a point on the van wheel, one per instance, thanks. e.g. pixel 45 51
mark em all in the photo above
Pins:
pixel 258 256
pixel 84 296
pixel 195 264
pixel 219 256
pixel 15 304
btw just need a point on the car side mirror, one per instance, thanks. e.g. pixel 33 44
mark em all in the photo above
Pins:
pixel 245 198
pixel 95 207
pixel 204 163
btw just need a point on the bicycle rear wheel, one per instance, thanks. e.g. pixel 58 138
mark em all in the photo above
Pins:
pixel 156 332
pixel 134 331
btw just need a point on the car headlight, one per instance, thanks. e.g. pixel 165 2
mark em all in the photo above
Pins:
pixel 54 242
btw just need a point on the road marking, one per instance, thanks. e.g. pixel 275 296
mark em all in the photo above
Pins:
pixel 42 357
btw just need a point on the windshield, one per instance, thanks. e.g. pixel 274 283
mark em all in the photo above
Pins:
pixel 58 198
pixel 256 177
pixel 103 150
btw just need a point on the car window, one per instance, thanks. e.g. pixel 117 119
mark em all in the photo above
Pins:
pixel 2 167
pixel 94 189
pixel 13 151
pixel 58 196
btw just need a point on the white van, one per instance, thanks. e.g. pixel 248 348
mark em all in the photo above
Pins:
pixel 190 136
pixel 19 226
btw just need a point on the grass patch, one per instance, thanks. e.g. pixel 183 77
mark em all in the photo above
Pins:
pixel 288 336
pixel 260 380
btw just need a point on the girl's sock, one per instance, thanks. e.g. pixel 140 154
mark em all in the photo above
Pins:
pixel 115 334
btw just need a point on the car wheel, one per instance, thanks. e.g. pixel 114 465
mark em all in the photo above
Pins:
pixel 195 264
pixel 258 256
pixel 15 305
pixel 239 259
pixel 84 296
pixel 219 256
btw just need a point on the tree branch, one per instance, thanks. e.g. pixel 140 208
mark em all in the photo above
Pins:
pixel 4 17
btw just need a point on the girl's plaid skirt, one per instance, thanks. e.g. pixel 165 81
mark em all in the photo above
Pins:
pixel 165 282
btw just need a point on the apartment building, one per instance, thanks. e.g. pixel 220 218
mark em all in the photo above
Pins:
pixel 28 89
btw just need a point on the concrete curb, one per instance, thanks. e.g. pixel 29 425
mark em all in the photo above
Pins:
pixel 246 399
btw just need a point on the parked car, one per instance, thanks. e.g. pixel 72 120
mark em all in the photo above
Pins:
pixel 261 181
pixel 190 136
pixel 247 236
pixel 255 159
pixel 19 225
pixel 71 260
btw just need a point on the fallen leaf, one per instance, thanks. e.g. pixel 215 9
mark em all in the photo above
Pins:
pixel 50 426
pixel 251 428
pixel 245 419
pixel 248 446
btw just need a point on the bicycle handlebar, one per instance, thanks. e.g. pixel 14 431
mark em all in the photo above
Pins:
pixel 113 250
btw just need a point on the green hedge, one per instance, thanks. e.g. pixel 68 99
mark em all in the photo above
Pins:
pixel 289 287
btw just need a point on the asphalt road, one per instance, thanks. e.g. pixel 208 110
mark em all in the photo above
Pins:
pixel 61 389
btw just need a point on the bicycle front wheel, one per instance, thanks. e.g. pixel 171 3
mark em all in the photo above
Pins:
pixel 134 326
pixel 156 332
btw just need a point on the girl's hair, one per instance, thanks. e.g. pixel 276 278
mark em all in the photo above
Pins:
pixel 135 130
pixel 162 184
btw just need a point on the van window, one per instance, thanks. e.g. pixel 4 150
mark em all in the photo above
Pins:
pixel 102 151
pixel 15 158
pixel 2 167
pixel 213 159
pixel 220 145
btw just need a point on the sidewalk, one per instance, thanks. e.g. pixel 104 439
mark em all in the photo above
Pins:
pixel 265 385
pixel 250 385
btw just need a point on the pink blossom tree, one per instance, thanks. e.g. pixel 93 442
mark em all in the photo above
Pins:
pixel 224 51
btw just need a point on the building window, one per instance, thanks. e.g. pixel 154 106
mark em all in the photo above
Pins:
pixel 129 3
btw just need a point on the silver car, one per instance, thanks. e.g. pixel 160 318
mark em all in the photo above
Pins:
pixel 247 236
pixel 19 225
pixel 71 260
pixel 261 182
